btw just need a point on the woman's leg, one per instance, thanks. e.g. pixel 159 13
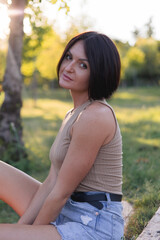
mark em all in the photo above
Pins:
pixel 28 232
pixel 16 188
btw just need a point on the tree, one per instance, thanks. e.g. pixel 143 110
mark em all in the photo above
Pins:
pixel 136 33
pixel 151 67
pixel 76 26
pixel 149 28
pixel 10 118
pixel 49 55
pixel 134 61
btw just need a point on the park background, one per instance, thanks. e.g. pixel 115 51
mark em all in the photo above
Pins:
pixel 134 27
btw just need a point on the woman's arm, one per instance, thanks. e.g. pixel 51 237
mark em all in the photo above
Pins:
pixel 39 198
pixel 89 134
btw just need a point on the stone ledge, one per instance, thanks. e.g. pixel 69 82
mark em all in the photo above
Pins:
pixel 127 212
pixel 152 230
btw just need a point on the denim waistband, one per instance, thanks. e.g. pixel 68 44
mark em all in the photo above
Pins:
pixel 95 198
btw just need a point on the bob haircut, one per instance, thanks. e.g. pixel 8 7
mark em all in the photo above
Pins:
pixel 104 61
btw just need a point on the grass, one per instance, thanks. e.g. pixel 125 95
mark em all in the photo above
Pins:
pixel 138 113
pixel 41 124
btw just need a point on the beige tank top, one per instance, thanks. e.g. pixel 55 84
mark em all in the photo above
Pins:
pixel 106 172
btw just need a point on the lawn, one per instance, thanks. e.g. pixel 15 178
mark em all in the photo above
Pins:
pixel 138 113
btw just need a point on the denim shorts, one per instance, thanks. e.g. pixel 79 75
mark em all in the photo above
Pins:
pixel 82 221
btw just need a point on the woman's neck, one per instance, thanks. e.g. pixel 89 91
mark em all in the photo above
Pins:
pixel 79 99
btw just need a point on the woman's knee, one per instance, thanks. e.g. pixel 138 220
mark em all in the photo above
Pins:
pixel 2 168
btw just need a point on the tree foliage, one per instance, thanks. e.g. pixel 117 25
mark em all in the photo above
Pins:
pixel 134 61
pixel 47 59
pixel 141 64
pixel 32 42
pixel 151 67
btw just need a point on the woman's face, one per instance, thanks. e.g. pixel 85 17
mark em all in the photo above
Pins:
pixel 75 70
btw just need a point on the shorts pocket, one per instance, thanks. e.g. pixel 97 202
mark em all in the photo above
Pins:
pixel 81 213
pixel 118 227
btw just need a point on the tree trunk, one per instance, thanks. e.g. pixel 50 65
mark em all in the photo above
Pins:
pixel 10 119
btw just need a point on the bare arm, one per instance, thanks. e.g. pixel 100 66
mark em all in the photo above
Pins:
pixel 39 198
pixel 89 134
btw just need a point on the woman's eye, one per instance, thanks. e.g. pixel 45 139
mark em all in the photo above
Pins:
pixel 68 56
pixel 83 65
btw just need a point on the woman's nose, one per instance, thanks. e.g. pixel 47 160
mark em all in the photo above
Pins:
pixel 70 66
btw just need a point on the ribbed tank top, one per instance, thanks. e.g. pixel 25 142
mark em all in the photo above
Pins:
pixel 106 172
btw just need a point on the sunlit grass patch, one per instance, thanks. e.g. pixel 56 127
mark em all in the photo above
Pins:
pixel 150 142
pixel 48 108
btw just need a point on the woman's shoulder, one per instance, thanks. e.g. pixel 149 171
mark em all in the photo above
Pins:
pixel 97 121
pixel 97 113
pixel 99 110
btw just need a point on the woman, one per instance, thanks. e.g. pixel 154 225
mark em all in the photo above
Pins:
pixel 81 197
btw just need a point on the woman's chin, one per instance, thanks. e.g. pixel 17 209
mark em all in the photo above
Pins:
pixel 64 84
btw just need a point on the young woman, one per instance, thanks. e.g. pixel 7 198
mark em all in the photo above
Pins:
pixel 81 197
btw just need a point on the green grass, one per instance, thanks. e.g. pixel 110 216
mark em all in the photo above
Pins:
pixel 138 113
pixel 41 120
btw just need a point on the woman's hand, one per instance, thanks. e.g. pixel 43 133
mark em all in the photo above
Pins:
pixel 38 200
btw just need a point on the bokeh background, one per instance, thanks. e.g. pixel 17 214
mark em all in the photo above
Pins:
pixel 134 26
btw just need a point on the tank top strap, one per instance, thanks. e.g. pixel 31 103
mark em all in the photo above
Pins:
pixel 71 117
pixel 75 112
pixel 103 101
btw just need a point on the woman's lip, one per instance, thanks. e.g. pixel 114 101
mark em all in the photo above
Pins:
pixel 66 77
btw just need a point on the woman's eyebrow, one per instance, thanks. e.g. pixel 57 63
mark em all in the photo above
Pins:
pixel 81 59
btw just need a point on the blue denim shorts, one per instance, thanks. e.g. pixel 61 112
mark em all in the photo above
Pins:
pixel 82 221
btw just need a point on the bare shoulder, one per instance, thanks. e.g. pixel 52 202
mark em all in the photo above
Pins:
pixel 99 118
pixel 97 112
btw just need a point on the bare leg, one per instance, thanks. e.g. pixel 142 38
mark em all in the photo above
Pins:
pixel 28 232
pixel 16 188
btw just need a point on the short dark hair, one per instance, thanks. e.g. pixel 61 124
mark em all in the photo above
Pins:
pixel 104 61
